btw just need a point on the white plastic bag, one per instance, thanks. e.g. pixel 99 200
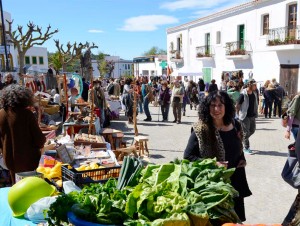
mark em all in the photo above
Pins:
pixel 37 212
pixel 70 186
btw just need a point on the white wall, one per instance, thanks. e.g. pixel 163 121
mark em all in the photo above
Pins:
pixel 264 62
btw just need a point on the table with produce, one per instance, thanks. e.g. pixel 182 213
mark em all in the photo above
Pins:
pixel 139 193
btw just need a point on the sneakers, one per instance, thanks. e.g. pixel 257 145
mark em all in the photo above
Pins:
pixel 247 151
pixel 148 119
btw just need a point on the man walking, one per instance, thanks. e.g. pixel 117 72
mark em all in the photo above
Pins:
pixel 246 110
pixel 279 91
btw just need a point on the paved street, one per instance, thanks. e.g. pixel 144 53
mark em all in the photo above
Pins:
pixel 271 198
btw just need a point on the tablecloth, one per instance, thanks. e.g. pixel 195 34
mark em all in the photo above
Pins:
pixel 6 218
pixel 115 106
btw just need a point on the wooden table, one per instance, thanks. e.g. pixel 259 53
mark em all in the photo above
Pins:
pixel 107 133
pixel 72 125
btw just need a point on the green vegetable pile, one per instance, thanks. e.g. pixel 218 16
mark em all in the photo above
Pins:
pixel 180 193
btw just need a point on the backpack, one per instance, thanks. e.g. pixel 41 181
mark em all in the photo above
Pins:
pixel 110 89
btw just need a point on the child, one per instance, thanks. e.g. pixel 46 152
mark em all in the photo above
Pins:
pixel 72 98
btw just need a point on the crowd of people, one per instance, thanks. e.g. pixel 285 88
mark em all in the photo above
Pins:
pixel 227 117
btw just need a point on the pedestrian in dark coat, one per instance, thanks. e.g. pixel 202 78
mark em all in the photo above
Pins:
pixel 20 136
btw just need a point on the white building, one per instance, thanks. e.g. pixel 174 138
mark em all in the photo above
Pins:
pixel 121 67
pixel 36 58
pixel 260 37
pixel 155 65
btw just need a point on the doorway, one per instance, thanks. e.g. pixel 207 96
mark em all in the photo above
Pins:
pixel 207 43
pixel 289 78
pixel 241 36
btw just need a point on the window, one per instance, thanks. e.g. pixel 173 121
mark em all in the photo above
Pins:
pixel 27 60
pixel 41 60
pixel 34 60
pixel 128 66
pixel 265 24
pixel 218 41
pixel 125 66
pixel 292 16
pixel 292 20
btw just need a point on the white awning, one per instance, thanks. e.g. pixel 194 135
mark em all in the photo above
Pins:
pixel 187 71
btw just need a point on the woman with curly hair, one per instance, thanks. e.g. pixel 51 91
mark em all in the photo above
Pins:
pixel 218 135
pixel 20 136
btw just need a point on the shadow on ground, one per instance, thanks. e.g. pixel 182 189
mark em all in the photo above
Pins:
pixel 271 153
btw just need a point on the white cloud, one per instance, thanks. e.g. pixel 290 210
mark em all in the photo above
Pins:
pixel 95 31
pixel 201 4
pixel 147 23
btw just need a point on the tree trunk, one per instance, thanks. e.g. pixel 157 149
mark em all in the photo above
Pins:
pixel 21 66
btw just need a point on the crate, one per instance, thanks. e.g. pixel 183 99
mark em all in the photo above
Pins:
pixel 81 178
pixel 22 175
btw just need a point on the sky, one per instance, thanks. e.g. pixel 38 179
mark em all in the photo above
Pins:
pixel 125 28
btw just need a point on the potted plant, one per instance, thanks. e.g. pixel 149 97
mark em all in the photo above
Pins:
pixel 199 55
pixel 277 41
pixel 271 43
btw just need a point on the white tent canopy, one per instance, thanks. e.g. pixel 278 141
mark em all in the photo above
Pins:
pixel 187 71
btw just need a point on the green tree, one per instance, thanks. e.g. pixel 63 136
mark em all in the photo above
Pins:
pixel 55 61
pixel 155 51
pixel 106 67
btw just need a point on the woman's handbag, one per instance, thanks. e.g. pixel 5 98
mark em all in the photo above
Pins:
pixel 284 119
pixel 291 172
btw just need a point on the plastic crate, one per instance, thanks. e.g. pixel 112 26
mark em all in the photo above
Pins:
pixel 81 178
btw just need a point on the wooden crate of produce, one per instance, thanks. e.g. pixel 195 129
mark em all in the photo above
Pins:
pixel 87 139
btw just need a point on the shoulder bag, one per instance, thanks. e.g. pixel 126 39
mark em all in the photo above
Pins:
pixel 291 171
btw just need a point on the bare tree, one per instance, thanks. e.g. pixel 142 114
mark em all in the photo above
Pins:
pixel 86 62
pixel 72 52
pixel 24 40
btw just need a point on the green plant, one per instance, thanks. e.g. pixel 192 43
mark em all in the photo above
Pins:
pixel 207 53
pixel 200 55
pixel 271 42
pixel 277 41
pixel 238 52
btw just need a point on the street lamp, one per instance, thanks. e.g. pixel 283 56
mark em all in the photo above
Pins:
pixel 4 38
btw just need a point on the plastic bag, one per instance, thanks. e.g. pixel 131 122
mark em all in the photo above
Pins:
pixel 70 186
pixel 37 212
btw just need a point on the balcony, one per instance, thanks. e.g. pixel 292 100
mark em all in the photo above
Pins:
pixel 239 50
pixel 284 38
pixel 204 52
pixel 176 56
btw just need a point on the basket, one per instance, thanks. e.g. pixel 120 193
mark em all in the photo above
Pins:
pixel 81 178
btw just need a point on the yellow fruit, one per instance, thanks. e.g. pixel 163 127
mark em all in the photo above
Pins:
pixel 59 183
pixel 40 169
pixel 88 168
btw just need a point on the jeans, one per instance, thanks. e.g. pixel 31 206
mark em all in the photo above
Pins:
pixel 146 107
pixel 249 127
pixel 268 108
pixel 177 111
pixel 277 104
pixel 165 111
pixel 140 102
pixel 294 131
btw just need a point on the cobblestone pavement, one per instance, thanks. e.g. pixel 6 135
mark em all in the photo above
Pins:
pixel 271 198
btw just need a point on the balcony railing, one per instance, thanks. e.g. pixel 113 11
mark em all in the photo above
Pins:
pixel 238 48
pixel 284 36
pixel 204 51
pixel 176 56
